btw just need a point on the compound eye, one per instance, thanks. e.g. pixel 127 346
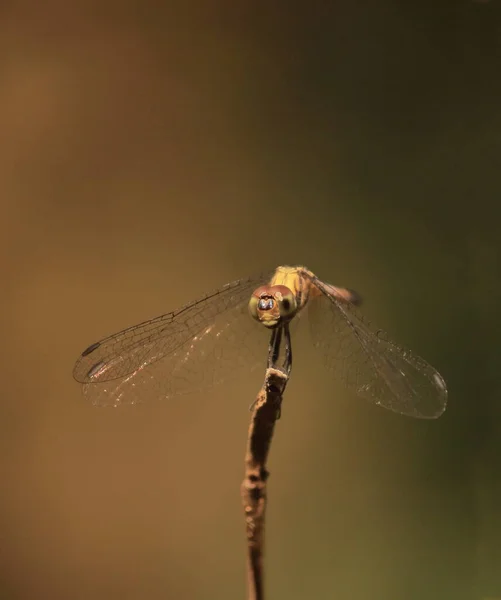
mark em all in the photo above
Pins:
pixel 286 301
pixel 260 301
pixel 253 306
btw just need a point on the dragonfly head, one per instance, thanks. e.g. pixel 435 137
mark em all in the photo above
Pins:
pixel 272 305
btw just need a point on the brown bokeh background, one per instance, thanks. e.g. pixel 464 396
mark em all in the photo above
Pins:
pixel 151 151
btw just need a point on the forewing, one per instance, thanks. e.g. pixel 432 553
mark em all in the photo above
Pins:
pixel 182 351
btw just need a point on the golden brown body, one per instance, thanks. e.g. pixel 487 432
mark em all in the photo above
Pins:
pixel 288 293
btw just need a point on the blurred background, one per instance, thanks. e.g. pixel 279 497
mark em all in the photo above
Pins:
pixel 152 151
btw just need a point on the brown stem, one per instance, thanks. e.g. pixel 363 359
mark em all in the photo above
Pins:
pixel 265 413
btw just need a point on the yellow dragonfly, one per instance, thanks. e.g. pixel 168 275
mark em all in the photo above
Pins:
pixel 212 338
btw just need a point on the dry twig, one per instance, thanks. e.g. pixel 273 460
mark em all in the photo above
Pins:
pixel 266 411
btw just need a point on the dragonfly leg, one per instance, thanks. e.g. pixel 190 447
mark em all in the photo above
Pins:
pixel 287 359
pixel 274 354
pixel 288 350
pixel 274 348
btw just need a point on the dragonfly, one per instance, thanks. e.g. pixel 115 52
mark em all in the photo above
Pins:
pixel 213 338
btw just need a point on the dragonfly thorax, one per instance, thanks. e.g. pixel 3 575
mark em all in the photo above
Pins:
pixel 272 305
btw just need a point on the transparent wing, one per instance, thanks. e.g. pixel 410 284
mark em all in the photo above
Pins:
pixel 203 343
pixel 370 364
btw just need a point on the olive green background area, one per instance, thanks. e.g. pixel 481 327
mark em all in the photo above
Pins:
pixel 153 151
